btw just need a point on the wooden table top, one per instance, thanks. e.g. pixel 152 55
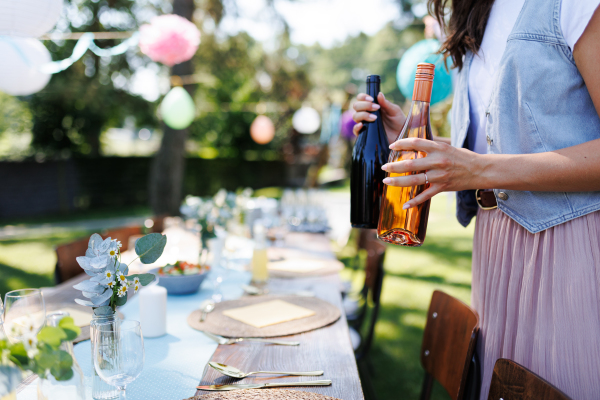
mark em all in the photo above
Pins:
pixel 328 349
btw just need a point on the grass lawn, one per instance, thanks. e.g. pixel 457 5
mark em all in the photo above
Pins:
pixel 412 274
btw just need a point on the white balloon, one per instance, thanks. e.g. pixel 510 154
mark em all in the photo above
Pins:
pixel 306 120
pixel 29 18
pixel 20 61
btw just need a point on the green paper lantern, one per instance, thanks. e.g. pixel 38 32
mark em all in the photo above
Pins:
pixel 178 109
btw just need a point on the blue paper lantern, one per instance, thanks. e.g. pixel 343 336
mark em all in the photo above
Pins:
pixel 424 51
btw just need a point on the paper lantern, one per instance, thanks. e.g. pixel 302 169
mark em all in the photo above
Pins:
pixel 19 66
pixel 306 120
pixel 347 124
pixel 169 39
pixel 424 51
pixel 178 109
pixel 262 129
pixel 28 18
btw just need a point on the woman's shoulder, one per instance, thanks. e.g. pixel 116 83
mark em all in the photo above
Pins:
pixel 574 18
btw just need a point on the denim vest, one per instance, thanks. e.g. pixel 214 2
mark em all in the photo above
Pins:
pixel 539 103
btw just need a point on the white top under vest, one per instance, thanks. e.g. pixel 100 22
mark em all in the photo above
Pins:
pixel 574 17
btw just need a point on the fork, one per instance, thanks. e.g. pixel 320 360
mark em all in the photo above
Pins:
pixel 224 340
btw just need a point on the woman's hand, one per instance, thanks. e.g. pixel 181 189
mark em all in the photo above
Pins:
pixel 447 169
pixel 392 116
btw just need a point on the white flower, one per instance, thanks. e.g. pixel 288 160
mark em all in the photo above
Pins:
pixel 122 279
pixel 109 275
pixel 122 291
pixel 111 284
pixel 118 243
pixel 112 253
pixel 30 342
pixel 136 287
pixel 136 281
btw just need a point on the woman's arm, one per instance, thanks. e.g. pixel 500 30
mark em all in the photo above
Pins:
pixel 573 169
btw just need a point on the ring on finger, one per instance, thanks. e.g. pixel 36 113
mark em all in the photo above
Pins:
pixel 426 179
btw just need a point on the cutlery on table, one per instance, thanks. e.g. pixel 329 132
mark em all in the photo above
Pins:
pixel 224 340
pixel 254 291
pixel 263 385
pixel 236 373
pixel 206 306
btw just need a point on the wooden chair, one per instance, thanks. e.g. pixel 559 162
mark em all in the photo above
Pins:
pixel 363 329
pixel 66 254
pixel 511 381
pixel 448 345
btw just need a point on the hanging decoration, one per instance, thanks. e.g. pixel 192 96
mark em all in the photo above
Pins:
pixel 424 51
pixel 306 120
pixel 262 130
pixel 28 18
pixel 347 124
pixel 178 109
pixel 169 39
pixel 20 73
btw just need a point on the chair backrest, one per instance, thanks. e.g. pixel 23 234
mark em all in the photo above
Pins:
pixel 448 344
pixel 123 234
pixel 511 381
pixel 66 254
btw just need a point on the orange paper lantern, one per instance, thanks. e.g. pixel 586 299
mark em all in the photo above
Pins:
pixel 262 130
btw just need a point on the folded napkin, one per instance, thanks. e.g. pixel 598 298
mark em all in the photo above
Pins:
pixel 268 313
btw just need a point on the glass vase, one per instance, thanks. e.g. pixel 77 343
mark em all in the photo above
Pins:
pixel 9 380
pixel 51 389
pixel 100 389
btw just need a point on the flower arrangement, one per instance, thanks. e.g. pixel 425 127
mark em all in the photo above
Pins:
pixel 107 288
pixel 40 354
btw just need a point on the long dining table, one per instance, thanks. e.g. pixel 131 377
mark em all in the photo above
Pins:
pixel 177 362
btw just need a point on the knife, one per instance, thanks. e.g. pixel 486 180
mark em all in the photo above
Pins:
pixel 224 340
pixel 326 382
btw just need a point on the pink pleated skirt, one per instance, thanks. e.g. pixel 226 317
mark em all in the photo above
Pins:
pixel 538 299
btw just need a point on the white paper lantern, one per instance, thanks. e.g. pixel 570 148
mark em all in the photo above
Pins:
pixel 262 129
pixel 20 61
pixel 306 120
pixel 28 18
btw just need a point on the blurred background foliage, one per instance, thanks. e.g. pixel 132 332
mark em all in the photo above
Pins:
pixel 238 79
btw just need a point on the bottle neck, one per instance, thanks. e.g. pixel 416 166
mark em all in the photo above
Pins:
pixel 373 89
pixel 422 90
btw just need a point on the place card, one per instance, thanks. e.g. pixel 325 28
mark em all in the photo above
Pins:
pixel 268 313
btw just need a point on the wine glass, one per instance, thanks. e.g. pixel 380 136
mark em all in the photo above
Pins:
pixel 118 353
pixel 24 313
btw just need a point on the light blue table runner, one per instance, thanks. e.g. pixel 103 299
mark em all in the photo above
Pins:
pixel 173 363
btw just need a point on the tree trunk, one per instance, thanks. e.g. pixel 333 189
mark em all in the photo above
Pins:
pixel 168 166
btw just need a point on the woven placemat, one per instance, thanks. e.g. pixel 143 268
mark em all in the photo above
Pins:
pixel 266 394
pixel 219 324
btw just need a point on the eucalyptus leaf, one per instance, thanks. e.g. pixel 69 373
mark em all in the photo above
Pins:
pixel 45 360
pixel 104 310
pixel 150 247
pixel 18 354
pixel 120 301
pixel 51 335
pixel 61 374
pixel 68 325
pixel 145 279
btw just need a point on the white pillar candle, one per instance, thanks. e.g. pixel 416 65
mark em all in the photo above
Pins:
pixel 153 311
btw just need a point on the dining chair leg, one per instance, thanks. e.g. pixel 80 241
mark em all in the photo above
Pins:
pixel 365 372
pixel 427 387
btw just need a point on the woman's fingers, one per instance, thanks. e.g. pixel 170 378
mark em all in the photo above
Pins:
pixel 418 164
pixel 423 197
pixel 356 129
pixel 416 144
pixel 364 116
pixel 405 180
pixel 365 106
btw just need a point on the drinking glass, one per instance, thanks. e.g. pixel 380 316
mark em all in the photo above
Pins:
pixel 118 356
pixel 24 313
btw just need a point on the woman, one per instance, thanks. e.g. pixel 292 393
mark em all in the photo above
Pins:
pixel 525 124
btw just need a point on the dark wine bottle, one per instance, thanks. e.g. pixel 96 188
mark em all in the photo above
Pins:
pixel 371 151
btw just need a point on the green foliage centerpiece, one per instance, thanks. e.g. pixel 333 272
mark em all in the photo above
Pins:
pixel 107 288
pixel 40 354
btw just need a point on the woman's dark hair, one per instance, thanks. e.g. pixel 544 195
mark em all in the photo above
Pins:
pixel 465 28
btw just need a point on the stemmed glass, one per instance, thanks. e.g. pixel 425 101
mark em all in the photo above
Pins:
pixel 24 313
pixel 118 353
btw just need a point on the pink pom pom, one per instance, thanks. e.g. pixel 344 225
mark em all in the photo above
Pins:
pixel 169 39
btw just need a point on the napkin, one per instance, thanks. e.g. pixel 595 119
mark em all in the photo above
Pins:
pixel 80 317
pixel 268 313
